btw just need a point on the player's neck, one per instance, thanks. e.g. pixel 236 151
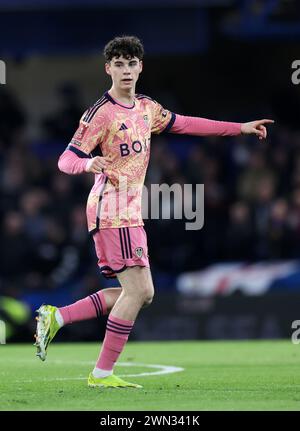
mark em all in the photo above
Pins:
pixel 125 97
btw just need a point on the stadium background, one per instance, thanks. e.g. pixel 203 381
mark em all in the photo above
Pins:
pixel 238 277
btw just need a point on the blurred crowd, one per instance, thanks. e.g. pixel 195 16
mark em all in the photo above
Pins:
pixel 251 193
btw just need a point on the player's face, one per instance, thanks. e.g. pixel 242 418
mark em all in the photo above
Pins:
pixel 124 72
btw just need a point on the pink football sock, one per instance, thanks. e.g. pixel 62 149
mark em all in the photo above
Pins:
pixel 87 308
pixel 116 336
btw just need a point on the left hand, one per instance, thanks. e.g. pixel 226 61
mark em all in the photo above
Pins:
pixel 256 128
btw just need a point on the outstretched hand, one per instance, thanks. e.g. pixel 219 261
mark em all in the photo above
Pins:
pixel 256 128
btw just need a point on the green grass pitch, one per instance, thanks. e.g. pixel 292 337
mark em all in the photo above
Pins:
pixel 230 375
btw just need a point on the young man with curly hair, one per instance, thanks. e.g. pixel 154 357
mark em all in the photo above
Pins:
pixel 119 125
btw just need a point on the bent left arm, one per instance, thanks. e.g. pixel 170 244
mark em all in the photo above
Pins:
pixel 198 126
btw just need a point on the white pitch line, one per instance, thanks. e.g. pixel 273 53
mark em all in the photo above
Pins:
pixel 163 369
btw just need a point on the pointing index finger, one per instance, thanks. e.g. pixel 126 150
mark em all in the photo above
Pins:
pixel 265 121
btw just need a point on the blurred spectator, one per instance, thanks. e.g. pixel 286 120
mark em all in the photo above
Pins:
pixel 62 124
pixel 32 204
pixel 263 202
pixel 294 216
pixel 239 239
pixel 281 165
pixel 16 252
pixel 196 164
pixel 54 260
pixel 280 235
pixel 248 183
pixel 12 118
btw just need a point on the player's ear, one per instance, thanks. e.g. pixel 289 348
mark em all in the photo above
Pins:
pixel 107 68
pixel 141 65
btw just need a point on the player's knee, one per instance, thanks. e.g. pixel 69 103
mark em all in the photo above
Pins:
pixel 148 299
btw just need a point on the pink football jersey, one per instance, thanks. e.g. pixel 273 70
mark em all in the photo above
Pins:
pixel 123 134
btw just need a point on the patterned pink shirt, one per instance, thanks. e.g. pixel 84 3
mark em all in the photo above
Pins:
pixel 123 134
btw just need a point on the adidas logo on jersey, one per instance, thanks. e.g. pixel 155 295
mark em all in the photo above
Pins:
pixel 123 127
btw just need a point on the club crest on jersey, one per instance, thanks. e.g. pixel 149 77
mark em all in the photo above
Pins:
pixel 146 119
pixel 139 252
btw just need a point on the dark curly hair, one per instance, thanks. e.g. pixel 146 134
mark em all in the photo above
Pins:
pixel 126 46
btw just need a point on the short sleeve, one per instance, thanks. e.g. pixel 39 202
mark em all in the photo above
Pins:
pixel 89 133
pixel 162 119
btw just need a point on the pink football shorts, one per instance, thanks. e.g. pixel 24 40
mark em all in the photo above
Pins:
pixel 119 248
